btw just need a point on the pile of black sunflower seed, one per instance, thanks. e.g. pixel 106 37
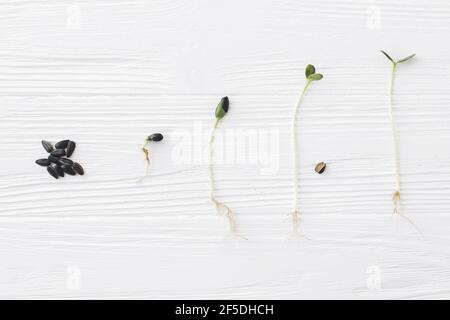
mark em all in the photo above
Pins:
pixel 58 162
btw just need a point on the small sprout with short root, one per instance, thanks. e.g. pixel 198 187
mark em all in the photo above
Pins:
pixel 155 137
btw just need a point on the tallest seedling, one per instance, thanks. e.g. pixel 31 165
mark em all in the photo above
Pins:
pixel 396 193
pixel 311 75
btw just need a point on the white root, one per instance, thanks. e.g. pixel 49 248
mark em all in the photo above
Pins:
pixel 396 200
pixel 146 152
pixel 228 213
pixel 147 158
pixel 396 193
pixel 295 213
pixel 220 207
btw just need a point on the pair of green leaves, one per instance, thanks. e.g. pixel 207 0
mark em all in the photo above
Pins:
pixel 222 108
pixel 310 73
pixel 399 61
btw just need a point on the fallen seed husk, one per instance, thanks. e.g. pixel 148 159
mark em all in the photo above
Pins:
pixel 78 168
pixel 58 153
pixel 155 137
pixel 43 162
pixel 70 148
pixel 47 146
pixel 53 172
pixel 68 169
pixel 66 161
pixel 320 167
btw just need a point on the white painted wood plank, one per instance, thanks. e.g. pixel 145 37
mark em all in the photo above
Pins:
pixel 106 74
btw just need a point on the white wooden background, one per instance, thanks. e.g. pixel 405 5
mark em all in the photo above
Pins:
pixel 106 73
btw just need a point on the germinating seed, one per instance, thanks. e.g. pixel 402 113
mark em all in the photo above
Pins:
pixel 43 162
pixel 47 146
pixel 155 137
pixel 61 144
pixel 320 167
pixel 78 168
pixel 53 172
pixel 221 111
pixel 68 170
pixel 66 161
pixel 70 148
pixel 58 153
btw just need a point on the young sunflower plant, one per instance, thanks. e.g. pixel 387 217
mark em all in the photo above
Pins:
pixel 396 192
pixel 311 76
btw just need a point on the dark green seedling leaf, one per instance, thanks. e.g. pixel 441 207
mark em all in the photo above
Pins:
pixel 309 70
pixel 222 108
pixel 406 58
pixel 315 77
pixel 387 56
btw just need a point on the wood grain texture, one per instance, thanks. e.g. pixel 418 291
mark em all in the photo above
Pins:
pixel 107 73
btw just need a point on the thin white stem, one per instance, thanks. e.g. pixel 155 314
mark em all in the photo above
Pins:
pixel 295 156
pixel 210 160
pixel 219 205
pixel 396 194
pixel 394 134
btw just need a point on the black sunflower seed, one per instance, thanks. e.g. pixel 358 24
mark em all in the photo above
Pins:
pixel 43 162
pixel 155 137
pixel 68 169
pixel 53 159
pixel 53 172
pixel 47 146
pixel 58 153
pixel 70 148
pixel 66 161
pixel 61 144
pixel 58 169
pixel 78 168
